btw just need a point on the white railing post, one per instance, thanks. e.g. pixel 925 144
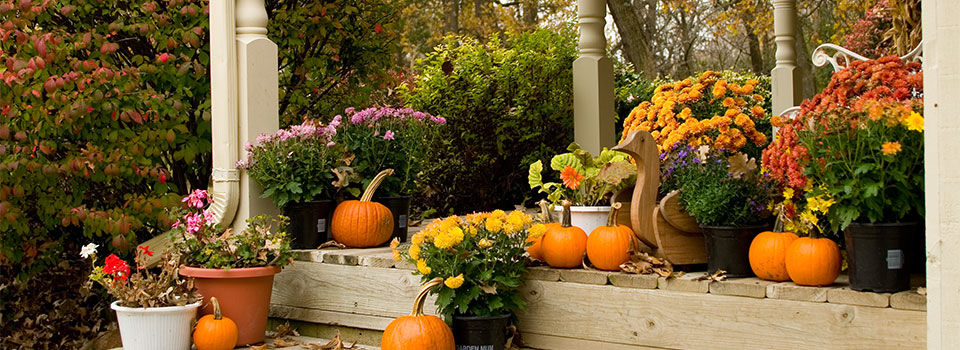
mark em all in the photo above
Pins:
pixel 593 96
pixel 786 89
pixel 257 97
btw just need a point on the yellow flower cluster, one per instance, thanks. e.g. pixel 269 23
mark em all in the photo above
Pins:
pixel 809 217
pixel 668 115
pixel 454 282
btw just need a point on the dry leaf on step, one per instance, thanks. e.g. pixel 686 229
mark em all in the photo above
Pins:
pixel 285 330
pixel 718 276
pixel 332 243
pixel 285 342
pixel 258 347
pixel 645 264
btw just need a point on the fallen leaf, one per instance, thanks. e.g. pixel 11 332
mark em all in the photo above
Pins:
pixel 645 264
pixel 718 276
pixel 334 344
pixel 332 243
pixel 285 330
pixel 285 342
pixel 489 289
pixel 258 347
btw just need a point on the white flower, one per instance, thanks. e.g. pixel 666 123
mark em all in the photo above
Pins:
pixel 88 250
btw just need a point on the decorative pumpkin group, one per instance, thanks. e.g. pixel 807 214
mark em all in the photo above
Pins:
pixel 564 245
pixel 418 331
pixel 363 223
pixel 807 261
pixel 215 332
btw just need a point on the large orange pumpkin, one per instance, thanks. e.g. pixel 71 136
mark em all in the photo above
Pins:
pixel 609 246
pixel 768 255
pixel 215 332
pixel 813 261
pixel 418 331
pixel 564 245
pixel 363 223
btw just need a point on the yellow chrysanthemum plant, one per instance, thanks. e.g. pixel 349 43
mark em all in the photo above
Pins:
pixel 723 110
pixel 479 256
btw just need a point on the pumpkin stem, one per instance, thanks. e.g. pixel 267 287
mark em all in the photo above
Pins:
pixel 422 296
pixel 612 217
pixel 216 309
pixel 372 187
pixel 565 222
pixel 545 211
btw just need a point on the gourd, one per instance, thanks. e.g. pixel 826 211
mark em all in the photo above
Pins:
pixel 363 223
pixel 768 255
pixel 609 246
pixel 215 332
pixel 564 245
pixel 535 250
pixel 813 261
pixel 418 331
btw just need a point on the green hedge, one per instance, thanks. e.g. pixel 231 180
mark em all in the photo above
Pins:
pixel 508 103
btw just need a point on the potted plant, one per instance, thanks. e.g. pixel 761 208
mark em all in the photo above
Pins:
pixel 154 310
pixel 854 156
pixel 728 197
pixel 235 267
pixel 481 261
pixel 379 138
pixel 587 181
pixel 294 168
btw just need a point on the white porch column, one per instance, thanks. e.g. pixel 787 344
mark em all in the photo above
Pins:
pixel 593 97
pixel 257 97
pixel 941 80
pixel 786 82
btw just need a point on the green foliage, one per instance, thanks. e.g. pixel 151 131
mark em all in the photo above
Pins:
pixel 508 103
pixel 630 88
pixel 591 179
pixel 103 116
pixel 295 164
pixel 333 54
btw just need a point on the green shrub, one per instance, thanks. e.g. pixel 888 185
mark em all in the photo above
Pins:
pixel 508 103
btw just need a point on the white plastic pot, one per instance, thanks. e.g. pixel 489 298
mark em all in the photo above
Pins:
pixel 587 218
pixel 168 327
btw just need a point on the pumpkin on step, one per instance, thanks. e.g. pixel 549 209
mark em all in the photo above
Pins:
pixel 363 223
pixel 535 251
pixel 813 261
pixel 215 332
pixel 768 255
pixel 609 246
pixel 418 331
pixel 564 245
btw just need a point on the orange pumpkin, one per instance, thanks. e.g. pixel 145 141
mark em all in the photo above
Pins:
pixel 535 251
pixel 768 255
pixel 813 261
pixel 609 246
pixel 215 332
pixel 418 331
pixel 363 223
pixel 564 245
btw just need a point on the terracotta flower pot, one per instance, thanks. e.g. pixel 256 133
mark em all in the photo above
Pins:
pixel 244 296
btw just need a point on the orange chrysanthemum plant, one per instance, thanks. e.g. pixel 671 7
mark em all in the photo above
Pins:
pixel 722 110
pixel 855 152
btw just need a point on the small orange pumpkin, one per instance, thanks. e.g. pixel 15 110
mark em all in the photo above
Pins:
pixel 768 255
pixel 535 251
pixel 564 245
pixel 813 261
pixel 215 332
pixel 418 331
pixel 609 246
pixel 363 223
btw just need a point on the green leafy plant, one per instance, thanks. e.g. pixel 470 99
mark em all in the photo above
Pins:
pixel 201 242
pixel 717 189
pixel 480 257
pixel 384 138
pixel 586 179
pixel 295 164
pixel 507 103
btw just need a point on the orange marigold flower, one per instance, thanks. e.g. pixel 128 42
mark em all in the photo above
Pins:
pixel 728 102
pixel 891 148
pixel 757 111
pixel 571 178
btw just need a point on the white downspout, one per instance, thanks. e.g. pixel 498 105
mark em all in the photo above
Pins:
pixel 223 101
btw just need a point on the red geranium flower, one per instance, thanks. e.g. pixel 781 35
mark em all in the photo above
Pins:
pixel 117 267
pixel 146 250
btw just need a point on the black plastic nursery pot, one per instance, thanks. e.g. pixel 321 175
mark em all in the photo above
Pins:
pixel 728 248
pixel 480 333
pixel 309 223
pixel 879 255
pixel 400 208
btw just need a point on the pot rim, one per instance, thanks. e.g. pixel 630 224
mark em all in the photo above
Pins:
pixel 586 208
pixel 727 227
pixel 480 318
pixel 885 224
pixel 242 272
pixel 162 309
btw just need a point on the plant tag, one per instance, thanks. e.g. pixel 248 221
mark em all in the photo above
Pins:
pixel 321 225
pixel 403 221
pixel 894 259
